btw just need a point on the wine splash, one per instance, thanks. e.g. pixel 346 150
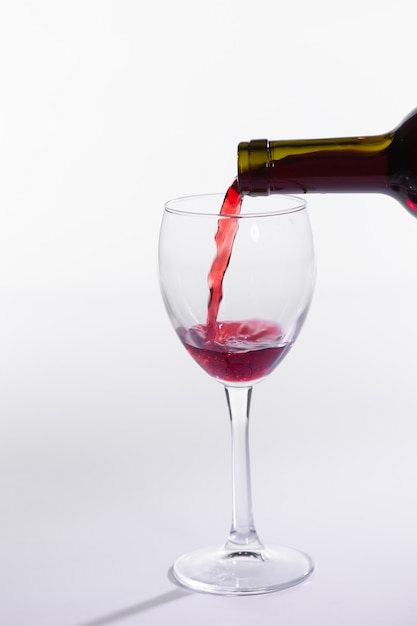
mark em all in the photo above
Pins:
pixel 236 352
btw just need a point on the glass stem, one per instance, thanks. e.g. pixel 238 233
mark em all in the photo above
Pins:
pixel 242 533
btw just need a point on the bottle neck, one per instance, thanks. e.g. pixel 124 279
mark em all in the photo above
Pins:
pixel 353 164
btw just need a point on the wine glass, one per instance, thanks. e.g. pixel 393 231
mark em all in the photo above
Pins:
pixel 238 324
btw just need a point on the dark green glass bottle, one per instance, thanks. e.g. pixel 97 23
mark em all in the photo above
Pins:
pixel 384 163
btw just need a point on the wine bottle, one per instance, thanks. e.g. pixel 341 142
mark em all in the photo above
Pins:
pixel 384 163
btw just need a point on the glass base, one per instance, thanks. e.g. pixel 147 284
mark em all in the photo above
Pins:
pixel 242 572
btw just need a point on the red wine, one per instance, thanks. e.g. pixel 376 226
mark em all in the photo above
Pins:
pixel 236 352
pixel 232 351
pixel 384 163
pixel 225 236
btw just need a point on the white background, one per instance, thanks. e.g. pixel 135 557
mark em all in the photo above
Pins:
pixel 114 446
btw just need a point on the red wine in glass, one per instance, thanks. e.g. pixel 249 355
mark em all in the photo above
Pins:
pixel 232 351
pixel 236 352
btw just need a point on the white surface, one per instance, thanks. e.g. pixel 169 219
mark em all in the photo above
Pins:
pixel 114 448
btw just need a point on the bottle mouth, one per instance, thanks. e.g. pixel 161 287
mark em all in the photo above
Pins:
pixel 253 160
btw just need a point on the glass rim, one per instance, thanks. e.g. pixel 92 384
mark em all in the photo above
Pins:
pixel 287 204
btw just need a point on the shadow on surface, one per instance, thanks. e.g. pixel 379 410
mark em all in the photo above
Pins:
pixel 135 609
